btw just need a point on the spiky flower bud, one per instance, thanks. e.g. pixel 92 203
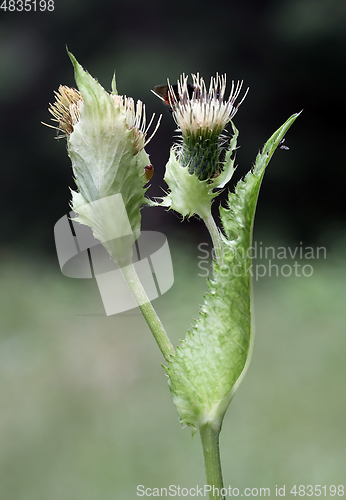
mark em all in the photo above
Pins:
pixel 202 160
pixel 202 116
pixel 106 135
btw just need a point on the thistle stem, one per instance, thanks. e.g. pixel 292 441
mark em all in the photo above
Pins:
pixel 148 311
pixel 211 452
pixel 215 236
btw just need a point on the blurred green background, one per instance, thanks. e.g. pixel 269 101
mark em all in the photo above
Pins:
pixel 85 412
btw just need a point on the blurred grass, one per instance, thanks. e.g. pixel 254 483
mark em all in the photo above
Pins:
pixel 85 413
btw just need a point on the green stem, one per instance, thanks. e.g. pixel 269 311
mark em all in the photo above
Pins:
pixel 212 463
pixel 215 236
pixel 148 311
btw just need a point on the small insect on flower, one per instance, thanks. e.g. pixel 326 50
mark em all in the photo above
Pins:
pixel 165 93
pixel 148 172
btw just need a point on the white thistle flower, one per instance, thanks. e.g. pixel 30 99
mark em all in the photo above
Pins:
pixel 201 115
pixel 66 112
pixel 136 119
pixel 203 112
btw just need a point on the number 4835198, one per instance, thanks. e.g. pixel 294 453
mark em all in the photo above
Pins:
pixel 318 490
pixel 27 5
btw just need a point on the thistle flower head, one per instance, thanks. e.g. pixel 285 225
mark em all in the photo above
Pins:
pixel 202 115
pixel 106 136
pixel 65 109
pixel 201 112
pixel 66 112
pixel 136 119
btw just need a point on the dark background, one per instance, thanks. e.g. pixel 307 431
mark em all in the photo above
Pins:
pixel 290 53
pixel 85 412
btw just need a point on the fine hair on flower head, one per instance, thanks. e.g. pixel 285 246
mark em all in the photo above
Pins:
pixel 202 115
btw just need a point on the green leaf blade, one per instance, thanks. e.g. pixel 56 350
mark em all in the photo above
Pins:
pixel 210 363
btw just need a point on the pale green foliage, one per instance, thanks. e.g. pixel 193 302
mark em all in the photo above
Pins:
pixel 106 161
pixel 190 196
pixel 210 363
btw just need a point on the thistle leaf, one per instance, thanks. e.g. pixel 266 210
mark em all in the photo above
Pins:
pixel 210 363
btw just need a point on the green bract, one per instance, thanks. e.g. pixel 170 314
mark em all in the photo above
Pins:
pixel 106 147
pixel 211 362
pixel 189 195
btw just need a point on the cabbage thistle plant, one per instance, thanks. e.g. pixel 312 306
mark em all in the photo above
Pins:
pixel 106 138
